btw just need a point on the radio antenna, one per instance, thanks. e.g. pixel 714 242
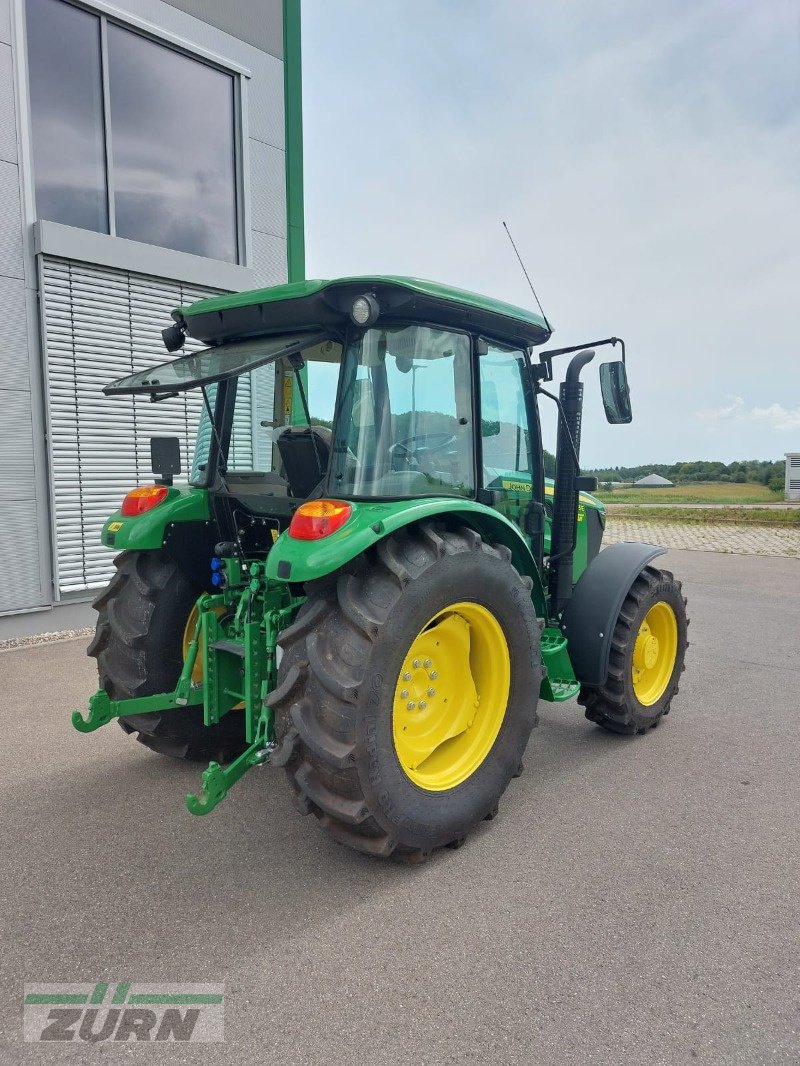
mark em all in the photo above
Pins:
pixel 527 277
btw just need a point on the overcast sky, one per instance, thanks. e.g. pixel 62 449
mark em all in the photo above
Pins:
pixel 646 158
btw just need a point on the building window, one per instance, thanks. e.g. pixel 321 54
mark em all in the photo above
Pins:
pixel 130 137
pixel 67 109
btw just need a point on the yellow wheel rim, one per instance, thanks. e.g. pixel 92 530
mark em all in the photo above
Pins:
pixel 451 696
pixel 654 653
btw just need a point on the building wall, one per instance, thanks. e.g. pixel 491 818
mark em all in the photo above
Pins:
pixel 258 22
pixel 100 446
pixel 59 284
pixel 23 480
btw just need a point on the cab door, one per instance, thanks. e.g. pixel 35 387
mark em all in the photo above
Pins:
pixel 509 448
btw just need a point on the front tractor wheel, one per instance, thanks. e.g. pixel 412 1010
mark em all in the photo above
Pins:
pixel 143 625
pixel 407 691
pixel 648 647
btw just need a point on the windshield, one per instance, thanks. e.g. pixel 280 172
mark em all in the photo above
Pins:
pixel 404 425
pixel 211 364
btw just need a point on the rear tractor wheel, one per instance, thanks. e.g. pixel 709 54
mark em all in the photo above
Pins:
pixel 407 691
pixel 648 647
pixel 145 623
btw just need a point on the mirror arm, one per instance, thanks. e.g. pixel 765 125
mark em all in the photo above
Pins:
pixel 546 357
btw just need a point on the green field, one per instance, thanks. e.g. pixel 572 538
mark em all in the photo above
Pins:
pixel 783 518
pixel 719 492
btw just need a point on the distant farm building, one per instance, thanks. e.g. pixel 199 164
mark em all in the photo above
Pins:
pixel 652 481
pixel 793 476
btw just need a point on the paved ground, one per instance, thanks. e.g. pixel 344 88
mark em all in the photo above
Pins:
pixel 712 537
pixel 635 902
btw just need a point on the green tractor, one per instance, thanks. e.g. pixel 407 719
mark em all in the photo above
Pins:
pixel 368 580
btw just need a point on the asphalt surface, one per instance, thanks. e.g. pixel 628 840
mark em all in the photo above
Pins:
pixel 636 901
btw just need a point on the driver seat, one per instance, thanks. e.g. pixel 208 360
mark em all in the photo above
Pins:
pixel 305 452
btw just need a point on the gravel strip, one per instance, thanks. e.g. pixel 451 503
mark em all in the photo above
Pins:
pixel 45 638
pixel 706 536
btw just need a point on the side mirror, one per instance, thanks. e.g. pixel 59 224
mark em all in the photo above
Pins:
pixel 616 395
pixel 165 458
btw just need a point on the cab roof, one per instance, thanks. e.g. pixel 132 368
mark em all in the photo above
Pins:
pixel 305 304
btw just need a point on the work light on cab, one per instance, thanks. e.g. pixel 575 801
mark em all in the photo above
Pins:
pixel 365 310
pixel 318 518
pixel 145 498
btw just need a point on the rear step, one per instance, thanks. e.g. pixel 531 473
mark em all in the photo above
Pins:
pixel 559 682
pixel 233 647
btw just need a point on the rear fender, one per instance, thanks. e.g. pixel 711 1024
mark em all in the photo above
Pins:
pixel 590 616
pixel 182 504
pixel 299 561
pixel 181 525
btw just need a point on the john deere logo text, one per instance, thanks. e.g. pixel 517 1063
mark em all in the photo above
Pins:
pixel 124 1012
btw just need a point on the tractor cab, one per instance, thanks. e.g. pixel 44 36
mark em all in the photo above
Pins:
pixel 367 390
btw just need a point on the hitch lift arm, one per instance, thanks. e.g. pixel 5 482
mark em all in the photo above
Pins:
pixel 240 670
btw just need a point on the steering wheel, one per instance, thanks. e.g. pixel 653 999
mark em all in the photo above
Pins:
pixel 420 447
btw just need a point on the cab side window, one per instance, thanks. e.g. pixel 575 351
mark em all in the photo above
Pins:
pixel 505 438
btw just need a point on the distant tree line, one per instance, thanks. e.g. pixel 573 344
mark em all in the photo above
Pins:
pixel 759 471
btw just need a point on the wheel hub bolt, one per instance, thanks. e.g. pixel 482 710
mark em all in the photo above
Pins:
pixel 415 664
pixel 411 705
pixel 433 675
pixel 404 694
pixel 427 663
pixel 422 705
pixel 431 691
pixel 651 653
pixel 406 676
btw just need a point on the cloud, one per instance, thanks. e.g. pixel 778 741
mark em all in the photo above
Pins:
pixel 646 158
pixel 775 416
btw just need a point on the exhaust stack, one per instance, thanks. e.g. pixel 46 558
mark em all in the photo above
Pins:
pixel 567 483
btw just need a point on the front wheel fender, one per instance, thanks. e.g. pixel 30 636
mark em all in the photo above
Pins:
pixel 590 616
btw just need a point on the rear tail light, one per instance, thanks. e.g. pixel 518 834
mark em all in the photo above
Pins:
pixel 318 518
pixel 143 499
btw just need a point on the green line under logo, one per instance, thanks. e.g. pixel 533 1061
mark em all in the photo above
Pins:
pixel 122 995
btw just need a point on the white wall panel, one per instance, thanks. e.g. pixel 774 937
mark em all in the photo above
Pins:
pixel 265 100
pixel 259 22
pixel 5 21
pixel 14 369
pixel 8 120
pixel 268 188
pixel 269 259
pixel 16 456
pixel 10 222
pixel 20 545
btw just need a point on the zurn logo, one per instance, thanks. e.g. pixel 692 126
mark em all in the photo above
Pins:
pixel 123 1011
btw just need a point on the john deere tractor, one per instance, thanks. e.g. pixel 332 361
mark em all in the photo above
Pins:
pixel 368 580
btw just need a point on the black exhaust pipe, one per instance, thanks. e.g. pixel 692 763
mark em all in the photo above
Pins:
pixel 566 489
